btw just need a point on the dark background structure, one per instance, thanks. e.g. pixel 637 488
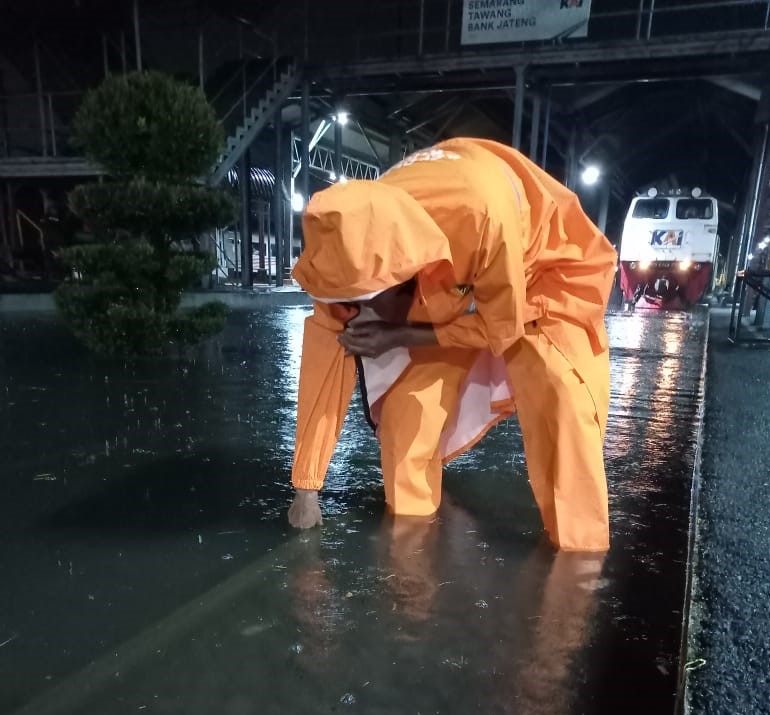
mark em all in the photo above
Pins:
pixel 665 93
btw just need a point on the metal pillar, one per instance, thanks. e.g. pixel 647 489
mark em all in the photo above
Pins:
pixel 270 251
pixel 305 142
pixel 40 102
pixel 51 124
pixel 12 238
pixel 755 191
pixel 262 223
pixel 649 18
pixel 290 202
pixel 518 108
pixel 105 56
pixel 736 244
pixel 338 149
pixel 534 134
pixel 571 160
pixel 137 37
pixel 5 141
pixel 759 315
pixel 422 29
pixel 201 66
pixel 546 130
pixel 639 15
pixel 288 213
pixel 244 180
pixel 277 203
pixel 448 25
pixel 396 152
pixel 242 57
pixel 4 224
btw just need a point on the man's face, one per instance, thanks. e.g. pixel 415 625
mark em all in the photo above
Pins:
pixel 390 306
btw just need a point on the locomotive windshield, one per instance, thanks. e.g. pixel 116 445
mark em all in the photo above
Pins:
pixel 651 208
pixel 702 209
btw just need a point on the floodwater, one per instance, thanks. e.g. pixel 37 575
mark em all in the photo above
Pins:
pixel 146 564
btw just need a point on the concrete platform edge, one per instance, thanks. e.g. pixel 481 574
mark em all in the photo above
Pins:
pixel 682 695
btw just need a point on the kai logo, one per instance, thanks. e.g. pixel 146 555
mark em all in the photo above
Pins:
pixel 566 4
pixel 664 237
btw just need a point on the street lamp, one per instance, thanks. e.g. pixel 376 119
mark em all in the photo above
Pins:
pixel 590 175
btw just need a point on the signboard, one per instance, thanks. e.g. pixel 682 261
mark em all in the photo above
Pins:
pixel 488 21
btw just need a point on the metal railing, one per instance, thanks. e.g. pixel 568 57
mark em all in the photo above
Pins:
pixel 23 220
pixel 251 91
pixel 752 292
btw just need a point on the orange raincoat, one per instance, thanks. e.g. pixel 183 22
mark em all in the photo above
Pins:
pixel 514 279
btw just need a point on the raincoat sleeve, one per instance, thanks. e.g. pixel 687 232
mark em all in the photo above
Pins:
pixel 499 295
pixel 326 381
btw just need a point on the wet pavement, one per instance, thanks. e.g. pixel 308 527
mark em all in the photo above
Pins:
pixel 729 648
pixel 146 565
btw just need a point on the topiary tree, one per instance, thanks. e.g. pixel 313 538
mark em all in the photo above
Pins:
pixel 154 136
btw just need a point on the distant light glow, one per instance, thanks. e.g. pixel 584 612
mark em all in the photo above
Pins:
pixel 685 265
pixel 343 179
pixel 644 265
pixel 590 175
pixel 342 117
pixel 297 202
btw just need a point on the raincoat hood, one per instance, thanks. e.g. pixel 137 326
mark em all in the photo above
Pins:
pixel 363 237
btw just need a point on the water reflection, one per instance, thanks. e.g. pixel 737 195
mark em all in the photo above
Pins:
pixel 490 628
pixel 151 496
pixel 410 545
pixel 628 334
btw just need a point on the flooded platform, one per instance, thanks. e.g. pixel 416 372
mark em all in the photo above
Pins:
pixel 147 565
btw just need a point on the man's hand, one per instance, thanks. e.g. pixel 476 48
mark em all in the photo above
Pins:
pixel 373 338
pixel 305 511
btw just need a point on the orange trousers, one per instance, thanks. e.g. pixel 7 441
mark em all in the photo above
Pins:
pixel 562 425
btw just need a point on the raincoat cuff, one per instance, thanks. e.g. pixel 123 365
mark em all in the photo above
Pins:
pixel 313 484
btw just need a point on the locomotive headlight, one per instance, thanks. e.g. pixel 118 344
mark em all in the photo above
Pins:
pixel 644 265
pixel 685 265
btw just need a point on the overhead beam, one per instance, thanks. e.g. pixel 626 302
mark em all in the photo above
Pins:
pixel 738 86
pixel 588 98
pixel 725 43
